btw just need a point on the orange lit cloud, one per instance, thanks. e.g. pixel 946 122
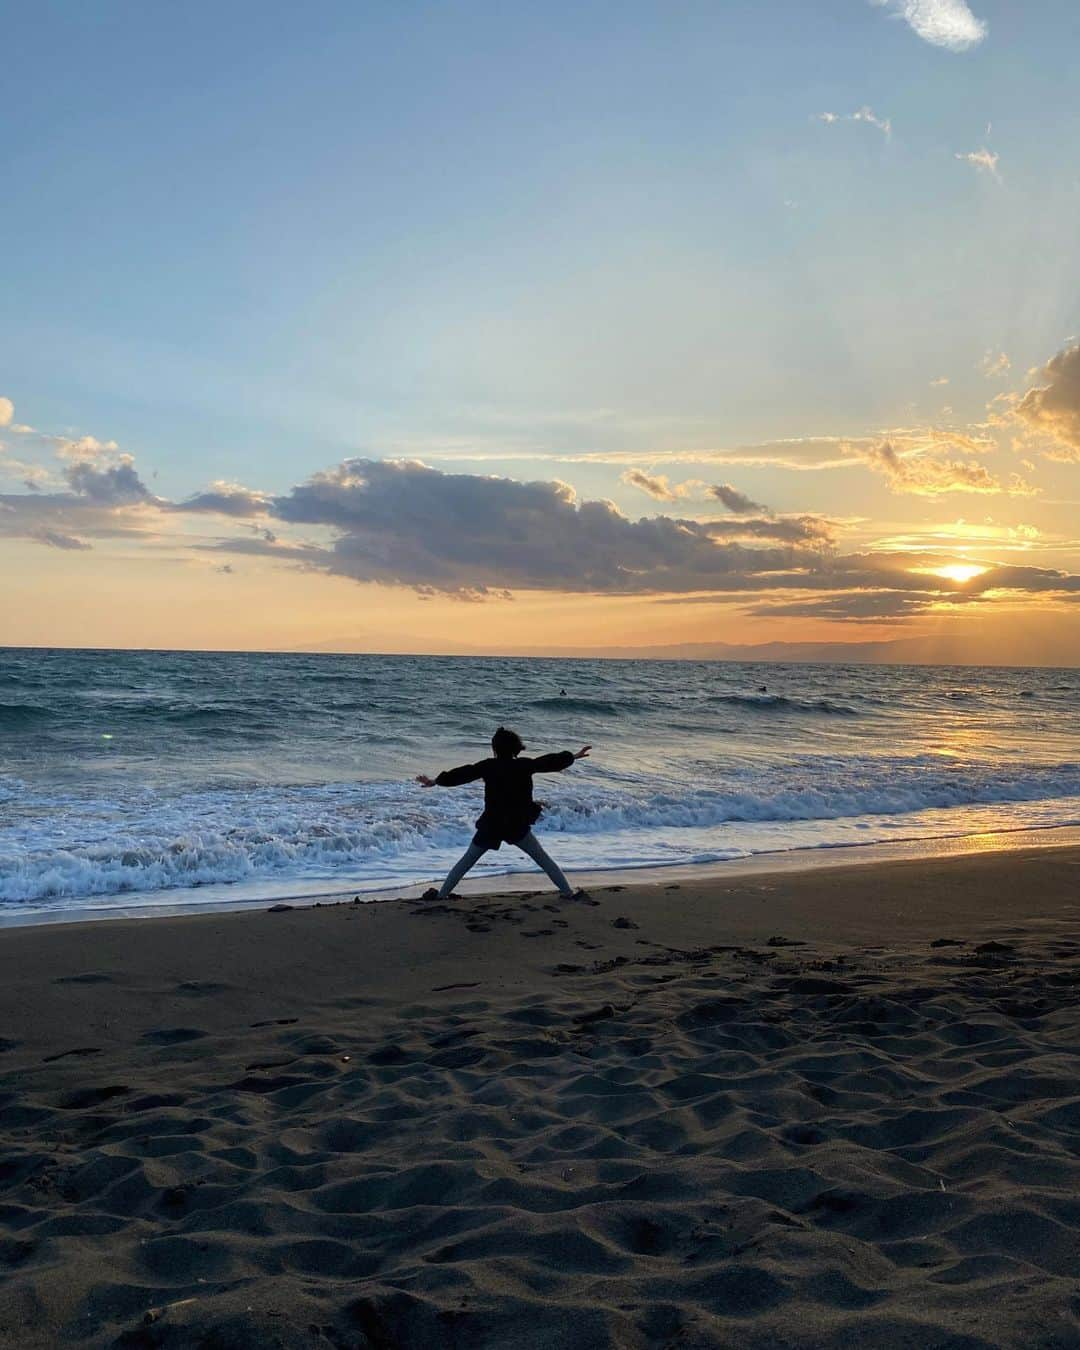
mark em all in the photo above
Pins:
pixel 1052 409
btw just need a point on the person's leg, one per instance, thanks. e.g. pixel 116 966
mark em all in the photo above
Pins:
pixel 469 858
pixel 531 845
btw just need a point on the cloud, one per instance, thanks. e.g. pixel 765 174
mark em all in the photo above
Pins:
pixel 81 449
pixel 939 382
pixel 225 499
pixel 931 473
pixel 965 535
pixel 49 517
pixel 1053 408
pixel 7 412
pixel 656 486
pixel 111 485
pixel 845 587
pixel 995 366
pixel 851 606
pixel 469 595
pixel 1012 577
pixel 765 525
pixel 943 23
pixel 986 161
pixel 402 522
pixel 864 114
pixel 55 539
pixel 735 501
pixel 808 452
pixel 479 538
pixel 104 497
pixel 32 476
pixel 794 529
pixel 805 454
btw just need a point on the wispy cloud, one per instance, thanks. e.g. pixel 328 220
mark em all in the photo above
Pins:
pixel 56 539
pixel 864 114
pixel 931 472
pixel 943 23
pixel 658 486
pixel 994 365
pixel 985 161
pixel 752 521
pixel 738 503
pixel 920 461
pixel 964 535
pixel 872 607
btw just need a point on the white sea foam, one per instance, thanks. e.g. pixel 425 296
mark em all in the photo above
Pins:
pixel 152 842
pixel 154 773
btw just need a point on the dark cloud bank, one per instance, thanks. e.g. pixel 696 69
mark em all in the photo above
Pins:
pixel 474 537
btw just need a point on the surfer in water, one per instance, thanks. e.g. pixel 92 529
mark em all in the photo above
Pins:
pixel 509 810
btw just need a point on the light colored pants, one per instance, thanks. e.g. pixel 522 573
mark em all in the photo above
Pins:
pixel 527 843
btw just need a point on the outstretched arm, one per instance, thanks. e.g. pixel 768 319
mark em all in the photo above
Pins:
pixel 562 759
pixel 467 773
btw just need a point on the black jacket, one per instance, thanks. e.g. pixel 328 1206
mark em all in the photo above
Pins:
pixel 509 809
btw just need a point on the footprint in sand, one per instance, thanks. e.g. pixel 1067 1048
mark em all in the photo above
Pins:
pixel 67 1054
pixel 539 932
pixel 90 977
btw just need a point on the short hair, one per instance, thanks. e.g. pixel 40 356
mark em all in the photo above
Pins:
pixel 507 743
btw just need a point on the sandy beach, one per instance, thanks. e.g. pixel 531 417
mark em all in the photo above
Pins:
pixel 820 1109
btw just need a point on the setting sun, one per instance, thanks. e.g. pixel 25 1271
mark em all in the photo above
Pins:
pixel 955 571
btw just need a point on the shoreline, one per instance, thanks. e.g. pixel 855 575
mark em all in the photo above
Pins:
pixel 777 862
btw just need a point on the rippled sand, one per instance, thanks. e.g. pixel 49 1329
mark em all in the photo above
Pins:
pixel 832 1109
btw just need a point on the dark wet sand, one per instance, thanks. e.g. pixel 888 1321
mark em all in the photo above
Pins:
pixel 833 1109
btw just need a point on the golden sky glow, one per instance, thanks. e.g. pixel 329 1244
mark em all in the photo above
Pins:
pixel 529 340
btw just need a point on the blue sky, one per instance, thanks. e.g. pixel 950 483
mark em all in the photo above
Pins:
pixel 254 236
pixel 248 240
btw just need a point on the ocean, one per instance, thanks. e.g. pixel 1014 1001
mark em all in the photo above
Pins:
pixel 200 779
